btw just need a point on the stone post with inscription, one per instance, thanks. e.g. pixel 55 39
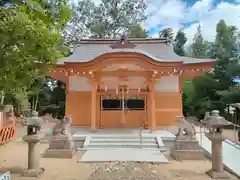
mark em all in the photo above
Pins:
pixel 215 124
pixel 61 144
pixel 186 147
pixel 33 137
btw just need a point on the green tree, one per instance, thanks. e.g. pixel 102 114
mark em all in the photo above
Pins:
pixel 226 51
pixel 187 95
pixel 30 43
pixel 198 47
pixel 52 98
pixel 136 31
pixel 179 43
pixel 215 90
pixel 232 95
pixel 167 34
pixel 106 20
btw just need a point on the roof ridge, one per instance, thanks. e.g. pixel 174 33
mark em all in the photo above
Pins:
pixel 132 40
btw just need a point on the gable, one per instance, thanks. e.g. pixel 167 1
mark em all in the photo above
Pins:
pixel 126 67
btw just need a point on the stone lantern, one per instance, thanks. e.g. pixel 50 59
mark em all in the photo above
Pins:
pixel 34 124
pixel 34 135
pixel 215 124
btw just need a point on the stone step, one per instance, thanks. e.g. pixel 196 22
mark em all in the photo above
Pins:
pixel 118 140
pixel 122 145
pixel 162 149
pixel 121 137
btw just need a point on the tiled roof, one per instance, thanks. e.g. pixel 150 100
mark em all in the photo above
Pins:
pixel 157 49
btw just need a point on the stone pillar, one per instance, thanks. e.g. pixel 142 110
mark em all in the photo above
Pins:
pixel 33 159
pixel 239 135
pixel 217 164
pixel 33 169
pixel 217 171
pixel 215 123
pixel 94 98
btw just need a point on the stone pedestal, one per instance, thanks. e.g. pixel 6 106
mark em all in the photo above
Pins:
pixel 238 135
pixel 61 146
pixel 217 171
pixel 187 149
pixel 33 169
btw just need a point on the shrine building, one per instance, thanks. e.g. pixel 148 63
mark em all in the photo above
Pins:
pixel 127 83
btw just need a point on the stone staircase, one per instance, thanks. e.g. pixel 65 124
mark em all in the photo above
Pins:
pixel 116 142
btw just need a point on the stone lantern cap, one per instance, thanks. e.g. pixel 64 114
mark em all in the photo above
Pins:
pixel 215 120
pixel 34 120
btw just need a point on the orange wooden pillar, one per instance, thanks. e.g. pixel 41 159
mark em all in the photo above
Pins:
pixel 149 110
pixel 94 98
pixel 151 105
pixel 180 85
pixel 67 103
pixel 152 99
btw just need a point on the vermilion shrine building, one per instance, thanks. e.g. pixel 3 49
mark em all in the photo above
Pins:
pixel 125 83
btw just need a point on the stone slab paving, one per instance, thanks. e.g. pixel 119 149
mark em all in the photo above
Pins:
pixel 230 151
pixel 121 154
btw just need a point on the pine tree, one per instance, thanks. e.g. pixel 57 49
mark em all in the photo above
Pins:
pixel 179 43
pixel 198 47
pixel 215 90
pixel 167 34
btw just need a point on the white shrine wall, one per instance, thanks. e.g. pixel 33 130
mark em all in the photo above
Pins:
pixel 78 83
pixel 167 84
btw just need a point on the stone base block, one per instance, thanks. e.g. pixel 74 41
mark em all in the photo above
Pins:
pixel 180 155
pixel 217 175
pixel 33 172
pixel 61 142
pixel 59 153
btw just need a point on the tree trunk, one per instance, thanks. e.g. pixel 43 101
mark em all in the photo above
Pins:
pixel 2 97
pixel 35 102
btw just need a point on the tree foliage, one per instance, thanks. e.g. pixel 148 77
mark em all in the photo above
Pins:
pixel 31 42
pixel 179 43
pixel 109 19
pixel 136 31
pixel 216 89
pixel 199 46
pixel 167 33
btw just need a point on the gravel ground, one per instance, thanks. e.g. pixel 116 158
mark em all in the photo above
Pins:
pixel 124 171
pixel 14 154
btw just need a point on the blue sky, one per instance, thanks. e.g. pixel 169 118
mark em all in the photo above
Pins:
pixel 188 14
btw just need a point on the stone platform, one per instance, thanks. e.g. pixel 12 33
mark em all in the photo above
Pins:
pixel 61 146
pixel 58 153
pixel 187 150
